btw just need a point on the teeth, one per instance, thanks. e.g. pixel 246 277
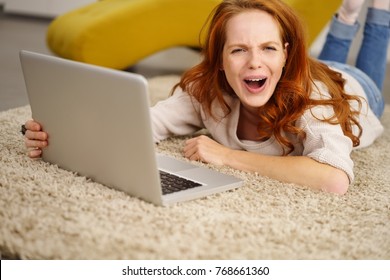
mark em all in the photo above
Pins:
pixel 255 80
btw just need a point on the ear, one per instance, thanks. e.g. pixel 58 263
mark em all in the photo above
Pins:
pixel 285 50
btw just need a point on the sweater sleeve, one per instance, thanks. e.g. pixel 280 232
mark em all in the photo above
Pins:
pixel 325 142
pixel 177 115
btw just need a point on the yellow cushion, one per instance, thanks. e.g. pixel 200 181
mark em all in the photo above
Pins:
pixel 120 33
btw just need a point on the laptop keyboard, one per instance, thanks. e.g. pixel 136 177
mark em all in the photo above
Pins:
pixel 172 183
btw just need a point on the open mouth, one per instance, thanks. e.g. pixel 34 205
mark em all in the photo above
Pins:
pixel 255 83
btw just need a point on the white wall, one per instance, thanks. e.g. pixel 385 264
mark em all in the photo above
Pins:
pixel 47 8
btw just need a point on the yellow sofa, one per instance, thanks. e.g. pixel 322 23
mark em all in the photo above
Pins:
pixel 120 33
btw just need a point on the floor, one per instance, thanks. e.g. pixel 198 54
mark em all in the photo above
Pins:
pixel 21 32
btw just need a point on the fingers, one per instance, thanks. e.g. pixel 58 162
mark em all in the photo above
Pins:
pixel 205 149
pixel 33 125
pixel 29 143
pixel 34 153
pixel 35 139
pixel 193 148
pixel 36 135
pixel 34 131
pixel 190 150
pixel 193 155
pixel 34 147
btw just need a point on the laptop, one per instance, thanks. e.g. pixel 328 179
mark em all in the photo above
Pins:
pixel 99 126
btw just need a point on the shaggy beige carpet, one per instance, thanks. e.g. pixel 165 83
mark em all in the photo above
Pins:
pixel 49 213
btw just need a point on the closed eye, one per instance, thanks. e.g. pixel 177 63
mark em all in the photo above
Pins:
pixel 238 50
pixel 270 48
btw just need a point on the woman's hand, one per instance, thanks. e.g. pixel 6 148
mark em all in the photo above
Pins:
pixel 36 139
pixel 203 148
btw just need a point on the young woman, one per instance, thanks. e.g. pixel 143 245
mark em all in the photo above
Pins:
pixel 269 107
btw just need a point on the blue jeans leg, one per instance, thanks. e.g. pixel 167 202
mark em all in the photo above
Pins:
pixel 338 41
pixel 372 57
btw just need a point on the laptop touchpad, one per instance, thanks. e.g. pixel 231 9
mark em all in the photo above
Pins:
pixel 171 164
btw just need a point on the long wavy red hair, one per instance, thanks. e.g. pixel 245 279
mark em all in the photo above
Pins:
pixel 207 84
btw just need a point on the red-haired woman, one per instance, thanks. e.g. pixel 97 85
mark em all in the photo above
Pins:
pixel 267 106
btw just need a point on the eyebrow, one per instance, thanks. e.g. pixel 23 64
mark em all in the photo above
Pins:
pixel 262 44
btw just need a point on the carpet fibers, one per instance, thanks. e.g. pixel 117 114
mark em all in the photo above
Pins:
pixel 50 213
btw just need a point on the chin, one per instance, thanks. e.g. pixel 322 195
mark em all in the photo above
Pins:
pixel 257 100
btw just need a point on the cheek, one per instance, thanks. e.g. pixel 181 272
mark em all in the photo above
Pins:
pixel 231 71
pixel 233 80
pixel 232 67
pixel 278 69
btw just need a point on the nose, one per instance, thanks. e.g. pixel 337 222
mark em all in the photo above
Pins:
pixel 255 60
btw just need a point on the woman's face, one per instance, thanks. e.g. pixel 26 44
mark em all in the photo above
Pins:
pixel 253 57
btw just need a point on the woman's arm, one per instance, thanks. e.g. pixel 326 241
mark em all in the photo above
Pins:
pixel 300 170
pixel 177 115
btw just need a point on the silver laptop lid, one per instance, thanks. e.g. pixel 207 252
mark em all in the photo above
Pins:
pixel 97 120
